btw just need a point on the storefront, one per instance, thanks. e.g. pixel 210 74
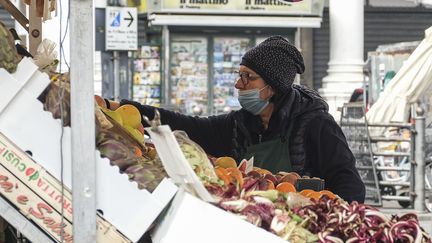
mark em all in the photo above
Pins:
pixel 201 44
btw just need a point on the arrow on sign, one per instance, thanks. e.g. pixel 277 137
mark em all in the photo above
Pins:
pixel 131 19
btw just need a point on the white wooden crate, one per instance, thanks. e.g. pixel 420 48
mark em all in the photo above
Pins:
pixel 192 220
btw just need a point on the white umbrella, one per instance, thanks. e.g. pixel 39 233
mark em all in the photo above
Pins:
pixel 412 81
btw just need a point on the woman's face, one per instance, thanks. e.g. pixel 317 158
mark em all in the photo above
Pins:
pixel 248 79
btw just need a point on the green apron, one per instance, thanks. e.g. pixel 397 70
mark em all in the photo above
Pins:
pixel 271 155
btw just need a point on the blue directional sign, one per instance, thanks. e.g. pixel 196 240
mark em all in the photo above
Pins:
pixel 121 29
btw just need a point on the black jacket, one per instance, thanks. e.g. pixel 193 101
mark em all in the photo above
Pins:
pixel 317 144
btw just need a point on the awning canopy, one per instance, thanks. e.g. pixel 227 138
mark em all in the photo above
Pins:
pixel 412 82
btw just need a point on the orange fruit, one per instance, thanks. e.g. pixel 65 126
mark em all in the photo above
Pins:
pixel 235 174
pixel 286 187
pixel 100 101
pixel 295 174
pixel 271 185
pixel 262 171
pixel 226 162
pixel 290 177
pixel 306 192
pixel 151 152
pixel 140 128
pixel 223 175
pixel 330 194
pixel 130 115
pixel 315 195
pixel 138 151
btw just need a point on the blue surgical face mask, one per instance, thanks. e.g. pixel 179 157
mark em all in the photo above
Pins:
pixel 250 100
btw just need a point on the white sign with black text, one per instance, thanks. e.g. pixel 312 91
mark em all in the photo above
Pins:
pixel 121 29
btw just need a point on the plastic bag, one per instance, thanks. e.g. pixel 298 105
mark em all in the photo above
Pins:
pixel 46 56
pixel 297 200
pixel 196 157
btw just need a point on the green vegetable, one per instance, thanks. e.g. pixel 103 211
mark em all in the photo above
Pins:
pixel 269 194
pixel 9 57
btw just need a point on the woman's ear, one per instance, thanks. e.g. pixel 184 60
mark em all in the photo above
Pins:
pixel 271 91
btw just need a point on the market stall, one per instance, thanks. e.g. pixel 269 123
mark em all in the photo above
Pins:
pixel 213 193
pixel 76 146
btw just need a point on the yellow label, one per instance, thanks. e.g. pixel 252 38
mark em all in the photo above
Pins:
pixel 142 8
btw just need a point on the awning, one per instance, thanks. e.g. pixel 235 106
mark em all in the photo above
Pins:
pixel 412 81
pixel 235 21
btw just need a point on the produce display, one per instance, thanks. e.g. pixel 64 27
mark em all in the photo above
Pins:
pixel 273 203
pixel 58 92
pixel 269 201
pixel 120 138
pixel 119 134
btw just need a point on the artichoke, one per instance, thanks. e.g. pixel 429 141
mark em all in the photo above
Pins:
pixel 9 57
pixel 147 171
pixel 51 97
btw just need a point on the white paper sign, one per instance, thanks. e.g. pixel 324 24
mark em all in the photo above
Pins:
pixel 121 29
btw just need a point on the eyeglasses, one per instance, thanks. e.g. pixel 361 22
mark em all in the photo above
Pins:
pixel 246 77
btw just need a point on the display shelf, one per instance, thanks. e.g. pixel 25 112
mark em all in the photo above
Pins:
pixel 189 73
pixel 227 54
pixel 147 75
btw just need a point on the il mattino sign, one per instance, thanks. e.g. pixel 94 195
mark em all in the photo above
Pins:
pixel 244 6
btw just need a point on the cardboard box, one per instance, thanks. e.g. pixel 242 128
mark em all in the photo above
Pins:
pixel 24 122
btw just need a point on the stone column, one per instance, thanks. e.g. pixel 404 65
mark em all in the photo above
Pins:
pixel 306 47
pixel 345 68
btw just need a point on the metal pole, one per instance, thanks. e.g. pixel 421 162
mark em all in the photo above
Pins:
pixel 419 177
pixel 82 120
pixel 116 59
pixel 166 63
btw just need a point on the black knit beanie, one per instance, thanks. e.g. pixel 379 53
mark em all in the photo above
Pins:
pixel 277 61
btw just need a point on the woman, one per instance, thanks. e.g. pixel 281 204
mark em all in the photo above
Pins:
pixel 285 127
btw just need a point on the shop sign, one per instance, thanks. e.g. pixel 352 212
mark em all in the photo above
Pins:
pixel 268 7
pixel 39 195
pixel 140 5
pixel 35 177
pixel 34 207
pixel 121 28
